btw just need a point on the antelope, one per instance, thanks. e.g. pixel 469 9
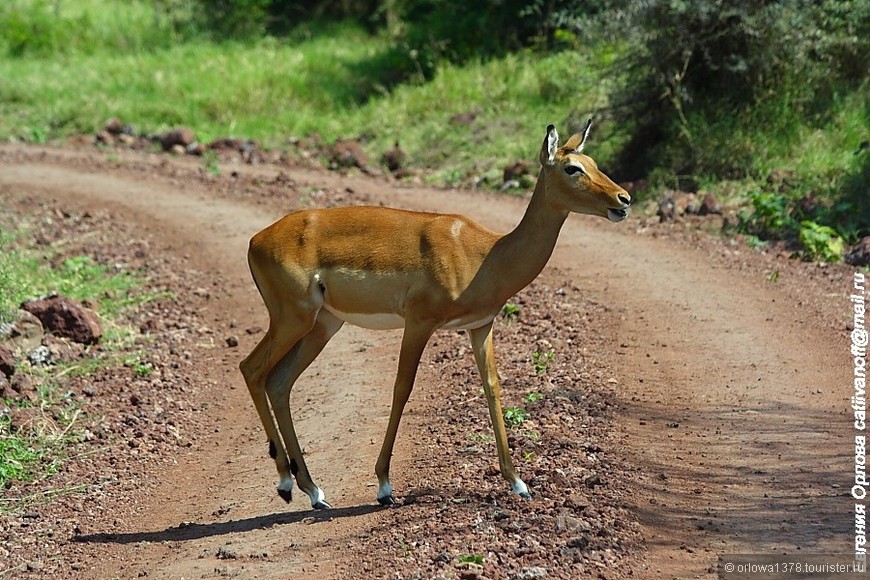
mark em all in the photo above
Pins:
pixel 382 268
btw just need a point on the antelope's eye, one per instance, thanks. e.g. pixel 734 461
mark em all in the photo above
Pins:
pixel 572 169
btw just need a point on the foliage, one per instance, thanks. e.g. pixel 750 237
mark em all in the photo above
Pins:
pixel 533 397
pixel 41 28
pixel 770 216
pixel 514 416
pixel 821 243
pixel 510 311
pixel 699 65
pixel 39 449
pixel 19 455
pixel 682 92
pixel 541 360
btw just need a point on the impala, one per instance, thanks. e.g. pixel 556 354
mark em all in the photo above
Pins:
pixel 382 268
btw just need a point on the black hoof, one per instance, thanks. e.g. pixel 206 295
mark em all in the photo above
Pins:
pixel 388 501
pixel 286 494
pixel 526 495
pixel 322 505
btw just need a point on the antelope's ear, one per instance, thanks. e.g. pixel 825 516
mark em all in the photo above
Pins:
pixel 585 136
pixel 548 149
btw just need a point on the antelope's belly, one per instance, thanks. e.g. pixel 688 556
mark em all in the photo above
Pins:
pixel 372 321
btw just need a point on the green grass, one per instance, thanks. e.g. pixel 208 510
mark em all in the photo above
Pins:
pixel 325 82
pixel 67 66
pixel 25 272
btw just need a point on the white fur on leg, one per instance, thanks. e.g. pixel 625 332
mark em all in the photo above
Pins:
pixel 520 488
pixel 384 491
pixel 318 499
pixel 286 484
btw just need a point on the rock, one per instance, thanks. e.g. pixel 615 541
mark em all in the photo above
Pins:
pixel 126 139
pixel 580 542
pixel 197 149
pixel 5 389
pixel 676 204
pixel 568 523
pixel 26 332
pixel 65 317
pixel 346 153
pixel 514 171
pixel 394 159
pixel 40 356
pixel 531 573
pixel 114 126
pixel 577 501
pixel 232 341
pixel 7 362
pixel 181 136
pixel 593 480
pixel 226 144
pixel 177 150
pixel 63 350
pixel 859 255
pixel 104 138
pixel 710 205
pixel 22 385
pixel 463 118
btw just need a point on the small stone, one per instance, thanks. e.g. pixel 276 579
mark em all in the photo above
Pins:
pixel 7 362
pixel 181 137
pixel 40 356
pixel 859 255
pixel 225 553
pixel 531 573
pixel 65 317
pixel 232 341
pixel 577 501
pixel 114 126
pixel 593 480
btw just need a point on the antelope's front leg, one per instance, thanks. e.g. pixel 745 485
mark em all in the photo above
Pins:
pixel 413 343
pixel 484 355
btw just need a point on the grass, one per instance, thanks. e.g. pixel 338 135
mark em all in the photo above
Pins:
pixel 67 66
pixel 36 451
pixel 325 82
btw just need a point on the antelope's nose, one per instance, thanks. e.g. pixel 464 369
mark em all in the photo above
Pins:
pixel 624 198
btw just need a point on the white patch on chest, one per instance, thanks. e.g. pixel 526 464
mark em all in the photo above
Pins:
pixel 455 228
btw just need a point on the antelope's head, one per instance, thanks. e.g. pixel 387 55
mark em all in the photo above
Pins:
pixel 574 182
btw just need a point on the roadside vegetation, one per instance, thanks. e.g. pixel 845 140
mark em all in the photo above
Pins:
pixel 39 416
pixel 764 104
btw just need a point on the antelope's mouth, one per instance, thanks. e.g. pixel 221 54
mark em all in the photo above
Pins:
pixel 617 214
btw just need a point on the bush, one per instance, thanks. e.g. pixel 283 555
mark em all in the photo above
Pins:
pixel 729 64
pixel 771 216
pixel 821 243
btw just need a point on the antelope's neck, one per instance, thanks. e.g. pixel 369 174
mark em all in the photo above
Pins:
pixel 521 254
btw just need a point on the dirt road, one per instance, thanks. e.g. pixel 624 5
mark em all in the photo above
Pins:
pixel 733 389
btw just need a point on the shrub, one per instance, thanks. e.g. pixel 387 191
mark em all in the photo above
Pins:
pixel 734 66
pixel 821 243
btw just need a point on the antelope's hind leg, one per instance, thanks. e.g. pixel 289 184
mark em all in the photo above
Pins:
pixel 275 390
pixel 255 367
pixel 278 386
